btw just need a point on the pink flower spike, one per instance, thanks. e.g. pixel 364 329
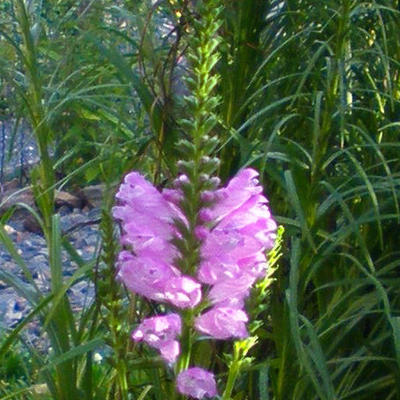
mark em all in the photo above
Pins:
pixel 223 323
pixel 183 292
pixel 147 217
pixel 197 383
pixel 235 247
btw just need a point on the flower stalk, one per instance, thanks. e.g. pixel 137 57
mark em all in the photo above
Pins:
pixel 198 148
pixel 197 247
pixel 239 359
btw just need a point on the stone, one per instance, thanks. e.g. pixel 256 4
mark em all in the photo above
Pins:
pixel 11 197
pixel 65 199
pixel 93 195
pixel 16 308
pixel 13 184
pixel 32 225
pixel 63 211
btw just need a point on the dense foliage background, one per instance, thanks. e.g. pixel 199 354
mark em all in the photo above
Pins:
pixel 308 95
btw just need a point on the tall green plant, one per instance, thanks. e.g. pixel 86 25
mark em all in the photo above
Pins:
pixel 33 100
pixel 61 371
pixel 318 100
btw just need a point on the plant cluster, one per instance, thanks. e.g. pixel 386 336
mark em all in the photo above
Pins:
pixel 303 91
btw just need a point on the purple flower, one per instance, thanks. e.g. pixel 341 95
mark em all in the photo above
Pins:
pixel 183 292
pixel 145 275
pixel 253 218
pixel 225 290
pixel 223 323
pixel 233 252
pixel 146 217
pixel 160 332
pixel 234 232
pixel 197 383
pixel 240 188
pixel 136 188
pixel 241 204
pixel 222 252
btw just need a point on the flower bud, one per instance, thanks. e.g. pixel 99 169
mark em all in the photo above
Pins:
pixel 209 165
pixel 181 180
pixel 205 139
pixel 215 181
pixel 201 232
pixel 204 177
pixel 205 215
pixel 186 167
pixel 207 196
pixel 210 161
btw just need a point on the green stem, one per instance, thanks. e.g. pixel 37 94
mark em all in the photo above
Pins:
pixel 232 375
pixel 122 381
pixel 43 179
pixel 186 342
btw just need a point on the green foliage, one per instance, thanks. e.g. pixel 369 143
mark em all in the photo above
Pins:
pixel 14 367
pixel 308 93
pixel 316 115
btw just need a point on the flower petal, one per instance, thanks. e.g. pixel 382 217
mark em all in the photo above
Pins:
pixel 197 383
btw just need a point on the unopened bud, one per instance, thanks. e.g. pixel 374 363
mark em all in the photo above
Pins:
pixel 185 166
pixel 215 181
pixel 172 195
pixel 181 180
pixel 201 232
pixel 205 138
pixel 205 215
pixel 204 177
pixel 207 196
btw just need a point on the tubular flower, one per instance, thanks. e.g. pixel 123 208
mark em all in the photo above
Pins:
pixel 183 292
pixel 223 323
pixel 160 332
pixel 233 253
pixel 146 217
pixel 145 275
pixel 197 383
pixel 243 232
